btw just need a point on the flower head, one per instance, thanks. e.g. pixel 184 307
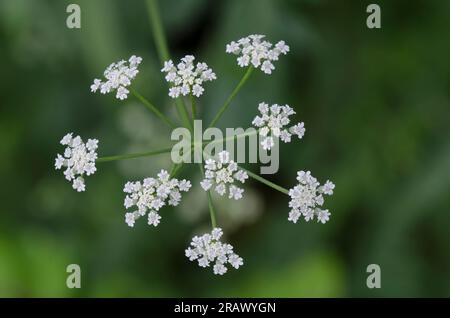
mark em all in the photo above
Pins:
pixel 257 52
pixel 208 248
pixel 186 77
pixel 118 77
pixel 273 122
pixel 307 197
pixel 78 159
pixel 151 195
pixel 222 173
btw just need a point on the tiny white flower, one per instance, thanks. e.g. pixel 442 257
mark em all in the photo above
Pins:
pixel 69 174
pixel 156 204
pixel 307 197
pixel 258 121
pixel 92 144
pixel 210 164
pixel 241 176
pixel 264 131
pixel 59 161
pixel 163 175
pixel 191 254
pixel 203 262
pixel 235 260
pixel 263 108
pixel 67 152
pixel 328 187
pixel 129 219
pixel 153 218
pixel 285 136
pixel 221 189
pixel 185 90
pixel 135 60
pixel 168 66
pixel 66 140
pixel 152 194
pixel 294 215
pixel 243 60
pixel 184 185
pixel 118 76
pixel 128 202
pixel 90 168
pixel 282 47
pixel 96 85
pixel 233 47
pixel 219 269
pixel 216 233
pixel 267 143
pixel 308 214
pixel 224 157
pixel 174 92
pixel 78 160
pixel 260 53
pixel 298 130
pixel 206 184
pixel 208 249
pixel 186 77
pixel 122 93
pixel 267 67
pixel 129 187
pixel 197 90
pixel 235 192
pixel 323 216
pixel 78 184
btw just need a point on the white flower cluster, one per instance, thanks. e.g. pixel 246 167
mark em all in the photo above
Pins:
pixel 258 52
pixel 79 159
pixel 221 173
pixel 307 196
pixel 273 122
pixel 187 77
pixel 208 248
pixel 152 195
pixel 118 76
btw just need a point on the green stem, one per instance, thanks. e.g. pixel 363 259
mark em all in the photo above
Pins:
pixel 194 107
pixel 212 212
pixel 266 182
pixel 158 32
pixel 233 94
pixel 153 109
pixel 176 168
pixel 182 112
pixel 134 155
pixel 163 52
pixel 236 137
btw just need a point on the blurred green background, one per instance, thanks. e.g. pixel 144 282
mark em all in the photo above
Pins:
pixel 375 104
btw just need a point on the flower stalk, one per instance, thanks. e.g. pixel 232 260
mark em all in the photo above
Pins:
pixel 194 107
pixel 232 95
pixel 266 182
pixel 153 108
pixel 212 211
pixel 134 155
